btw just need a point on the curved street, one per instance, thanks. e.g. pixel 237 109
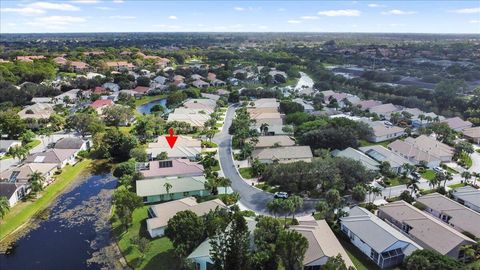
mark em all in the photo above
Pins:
pixel 250 197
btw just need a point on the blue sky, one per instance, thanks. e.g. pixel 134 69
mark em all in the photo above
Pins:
pixel 240 16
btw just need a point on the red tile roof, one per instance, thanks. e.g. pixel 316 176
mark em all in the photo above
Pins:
pixel 101 102
pixel 141 89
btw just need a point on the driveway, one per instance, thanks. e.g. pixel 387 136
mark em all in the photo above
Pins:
pixel 250 197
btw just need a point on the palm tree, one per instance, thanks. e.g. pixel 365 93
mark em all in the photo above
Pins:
pixel 212 185
pixel 224 182
pixel 413 185
pixel 448 177
pixel 466 175
pixel 429 119
pixel 421 117
pixel 36 180
pixel 376 191
pixel 4 206
pixel 469 252
pixel 168 187
pixel 19 152
pixel 439 178
pixel 297 202
pixel 264 128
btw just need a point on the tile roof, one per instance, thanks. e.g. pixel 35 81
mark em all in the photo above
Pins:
pixel 179 167
pixel 457 123
pixel 155 186
pixel 283 153
pixel 69 143
pixel 381 154
pixel 468 194
pixel 270 141
pixel 473 132
pixel 354 154
pixel 101 102
pixel 51 156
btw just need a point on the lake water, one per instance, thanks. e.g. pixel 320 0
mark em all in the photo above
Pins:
pixel 75 235
pixel 145 108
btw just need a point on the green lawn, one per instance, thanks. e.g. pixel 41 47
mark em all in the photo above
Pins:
pixel 160 252
pixel 467 160
pixel 367 143
pixel 32 144
pixel 455 186
pixel 246 173
pixel 428 174
pixel 395 181
pixel 24 211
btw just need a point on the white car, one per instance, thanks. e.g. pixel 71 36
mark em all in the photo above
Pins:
pixel 283 195
pixel 438 170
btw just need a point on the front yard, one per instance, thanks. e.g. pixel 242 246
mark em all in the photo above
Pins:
pixel 428 174
pixel 24 211
pixel 246 173
pixel 160 250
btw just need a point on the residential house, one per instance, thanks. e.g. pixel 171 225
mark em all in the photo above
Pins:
pixel 322 244
pixel 141 90
pixel 307 107
pixel 29 58
pixel 200 103
pixel 61 157
pixel 382 154
pixel 196 77
pixel 113 87
pixel 5 146
pixel 459 217
pixel 37 111
pixel 384 110
pixel 154 191
pixel 383 244
pixel 424 229
pixel 160 214
pixel 264 103
pixel 70 96
pixel 218 82
pixel 383 132
pixel 74 143
pixel 354 154
pixel 13 192
pixel 286 154
pixel 274 141
pixel 190 116
pixel 222 92
pixel 210 96
pixel 468 196
pixel 100 104
pixel 201 256
pixel 22 173
pixel 120 65
pixel 98 90
pixel 457 123
pixel 185 147
pixel 423 148
pixel 166 168
pixel 200 84
pixel 473 134
pixel 367 104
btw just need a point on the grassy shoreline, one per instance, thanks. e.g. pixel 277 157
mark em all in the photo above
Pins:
pixel 23 212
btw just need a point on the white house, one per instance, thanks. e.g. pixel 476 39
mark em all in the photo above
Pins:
pixel 13 192
pixel 382 243
pixel 468 196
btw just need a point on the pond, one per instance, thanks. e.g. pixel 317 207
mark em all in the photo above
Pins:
pixel 74 235
pixel 145 108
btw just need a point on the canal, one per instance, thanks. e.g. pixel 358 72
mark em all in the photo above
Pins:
pixel 74 234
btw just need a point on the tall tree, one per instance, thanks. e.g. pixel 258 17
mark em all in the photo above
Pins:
pixel 186 231
pixel 4 206
pixel 36 180
pixel 265 237
pixel 125 203
pixel 291 247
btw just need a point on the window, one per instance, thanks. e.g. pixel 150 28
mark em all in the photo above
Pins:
pixel 186 193
pixel 374 255
pixel 165 164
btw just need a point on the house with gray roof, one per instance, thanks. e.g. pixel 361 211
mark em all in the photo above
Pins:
pixel 457 123
pixel 468 196
pixel 72 143
pixel 459 217
pixel 166 168
pixel 354 154
pixel 286 154
pixel 382 154
pixel 384 110
pixel 153 190
pixel 383 132
pixel 185 147
pixel 274 141
pixel 425 230
pixel 322 244
pixel 13 192
pixel 5 146
pixel 383 244
pixel 160 214
pixel 61 157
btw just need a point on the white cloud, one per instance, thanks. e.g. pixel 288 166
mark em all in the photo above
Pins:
pixel 172 17
pixel 56 21
pixel 104 8
pixel 309 17
pixel 53 6
pixel 263 27
pixel 294 21
pixel 340 12
pixel 239 8
pixel 118 1
pixel 398 12
pixel 467 10
pixel 26 11
pixel 122 17
pixel 474 21
pixel 85 1
pixel 375 5
pixel 281 9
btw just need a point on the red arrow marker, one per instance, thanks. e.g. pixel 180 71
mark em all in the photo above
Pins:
pixel 172 138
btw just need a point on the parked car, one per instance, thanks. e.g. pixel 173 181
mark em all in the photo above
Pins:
pixel 438 170
pixel 282 195
pixel 415 174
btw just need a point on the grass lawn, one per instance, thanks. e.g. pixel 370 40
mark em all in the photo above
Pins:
pixel 160 252
pixel 32 144
pixel 246 173
pixel 216 168
pixel 146 99
pixel 455 186
pixel 24 211
pixel 367 143
pixel 396 181
pixel 218 125
pixel 428 174
pixel 467 160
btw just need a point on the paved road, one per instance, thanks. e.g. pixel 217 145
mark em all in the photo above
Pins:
pixel 251 197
